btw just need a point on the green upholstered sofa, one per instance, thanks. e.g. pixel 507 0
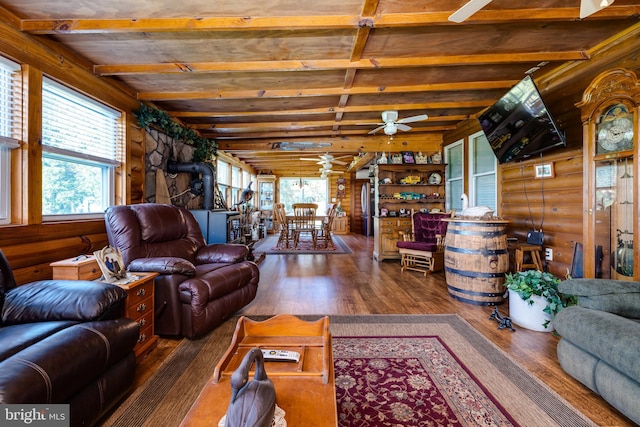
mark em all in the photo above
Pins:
pixel 600 344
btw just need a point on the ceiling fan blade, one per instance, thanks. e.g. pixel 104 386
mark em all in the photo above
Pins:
pixel 589 7
pixel 403 127
pixel 467 10
pixel 412 119
pixel 309 159
pixel 376 129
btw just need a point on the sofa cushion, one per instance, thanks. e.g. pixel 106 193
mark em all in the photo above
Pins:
pixel 15 338
pixel 163 265
pixel 62 364
pixel 63 300
pixel 611 338
pixel 614 296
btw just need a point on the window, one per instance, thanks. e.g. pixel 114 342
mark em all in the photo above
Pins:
pixel 481 167
pixel 482 164
pixel 454 157
pixel 223 179
pixel 10 125
pixel 81 141
pixel 236 184
pixel 303 190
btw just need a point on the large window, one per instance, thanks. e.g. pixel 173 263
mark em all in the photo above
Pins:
pixel 481 168
pixel 10 125
pixel 81 143
pixel 303 190
pixel 482 173
pixel 454 158
pixel 223 177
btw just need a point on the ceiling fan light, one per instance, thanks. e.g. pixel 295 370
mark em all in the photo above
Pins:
pixel 605 3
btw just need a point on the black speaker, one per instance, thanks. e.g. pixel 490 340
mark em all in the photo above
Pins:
pixel 535 237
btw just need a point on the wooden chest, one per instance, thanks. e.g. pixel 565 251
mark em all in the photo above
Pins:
pixel 83 267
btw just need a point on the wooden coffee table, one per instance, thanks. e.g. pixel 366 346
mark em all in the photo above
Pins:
pixel 304 390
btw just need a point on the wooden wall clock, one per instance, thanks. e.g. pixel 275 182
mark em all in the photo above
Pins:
pixel 341 185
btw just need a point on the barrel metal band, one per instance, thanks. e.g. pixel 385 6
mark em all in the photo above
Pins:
pixel 473 274
pixel 495 233
pixel 483 251
pixel 474 293
pixel 474 302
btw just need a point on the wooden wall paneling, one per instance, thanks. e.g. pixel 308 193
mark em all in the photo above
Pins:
pixel 563 196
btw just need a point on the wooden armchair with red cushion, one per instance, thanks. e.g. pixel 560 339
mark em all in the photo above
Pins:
pixel 423 249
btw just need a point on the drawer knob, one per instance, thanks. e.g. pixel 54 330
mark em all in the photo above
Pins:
pixel 142 322
pixel 141 308
pixel 142 338
pixel 141 292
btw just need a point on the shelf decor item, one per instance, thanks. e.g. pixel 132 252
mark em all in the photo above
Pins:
pixel 407 157
pixel 421 159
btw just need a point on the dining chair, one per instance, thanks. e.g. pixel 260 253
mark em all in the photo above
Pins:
pixel 304 222
pixel 324 236
pixel 283 225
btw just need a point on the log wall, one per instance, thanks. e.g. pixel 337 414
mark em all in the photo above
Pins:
pixel 520 195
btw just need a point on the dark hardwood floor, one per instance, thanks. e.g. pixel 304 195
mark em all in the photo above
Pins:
pixel 355 284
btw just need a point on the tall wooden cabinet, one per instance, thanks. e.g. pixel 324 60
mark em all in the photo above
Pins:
pixel 611 170
pixel 400 188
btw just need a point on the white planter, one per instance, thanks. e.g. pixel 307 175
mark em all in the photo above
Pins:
pixel 529 316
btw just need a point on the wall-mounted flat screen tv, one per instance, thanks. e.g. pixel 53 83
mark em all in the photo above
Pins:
pixel 519 125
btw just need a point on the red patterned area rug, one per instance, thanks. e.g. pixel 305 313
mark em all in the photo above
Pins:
pixel 390 370
pixel 417 381
pixel 305 246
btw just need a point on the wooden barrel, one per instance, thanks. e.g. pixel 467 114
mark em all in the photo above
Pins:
pixel 476 260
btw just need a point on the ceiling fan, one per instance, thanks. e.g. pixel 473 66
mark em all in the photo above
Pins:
pixel 391 124
pixel 326 159
pixel 587 7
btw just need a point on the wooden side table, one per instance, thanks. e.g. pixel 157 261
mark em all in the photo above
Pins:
pixel 140 296
pixel 139 307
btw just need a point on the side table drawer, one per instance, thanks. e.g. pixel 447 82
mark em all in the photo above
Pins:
pixel 140 293
pixel 145 336
pixel 139 308
pixel 145 320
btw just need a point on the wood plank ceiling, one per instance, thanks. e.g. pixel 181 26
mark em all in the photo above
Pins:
pixel 273 79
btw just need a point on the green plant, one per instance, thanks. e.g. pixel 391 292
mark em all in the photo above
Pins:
pixel 205 148
pixel 542 284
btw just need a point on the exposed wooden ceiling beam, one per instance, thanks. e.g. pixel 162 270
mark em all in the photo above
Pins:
pixel 348 109
pixel 335 64
pixel 299 133
pixel 306 23
pixel 331 91
pixel 305 124
pixel 344 144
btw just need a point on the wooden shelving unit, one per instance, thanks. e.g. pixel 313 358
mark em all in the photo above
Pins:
pixel 395 199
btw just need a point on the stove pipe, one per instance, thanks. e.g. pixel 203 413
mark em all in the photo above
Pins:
pixel 207 178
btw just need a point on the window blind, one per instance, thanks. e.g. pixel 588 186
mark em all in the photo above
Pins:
pixel 10 103
pixel 74 124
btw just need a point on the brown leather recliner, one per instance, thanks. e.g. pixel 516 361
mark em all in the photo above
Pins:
pixel 65 341
pixel 199 285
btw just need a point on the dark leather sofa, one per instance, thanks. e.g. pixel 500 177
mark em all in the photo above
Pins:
pixel 199 285
pixel 65 342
